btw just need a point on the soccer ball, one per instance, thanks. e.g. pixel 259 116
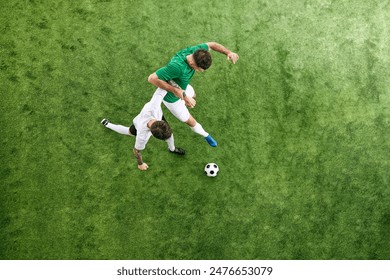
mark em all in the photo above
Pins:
pixel 211 169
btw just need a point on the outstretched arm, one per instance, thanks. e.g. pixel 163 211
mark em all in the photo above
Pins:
pixel 233 57
pixel 141 165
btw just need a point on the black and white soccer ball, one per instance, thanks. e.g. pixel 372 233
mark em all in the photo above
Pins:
pixel 211 169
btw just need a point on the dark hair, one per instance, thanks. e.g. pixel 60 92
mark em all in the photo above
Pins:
pixel 202 58
pixel 161 130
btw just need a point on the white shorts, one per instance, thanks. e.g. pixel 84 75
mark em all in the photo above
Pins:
pixel 179 108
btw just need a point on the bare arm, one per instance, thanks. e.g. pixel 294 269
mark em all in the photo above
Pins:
pixel 153 79
pixel 233 57
pixel 174 88
pixel 141 165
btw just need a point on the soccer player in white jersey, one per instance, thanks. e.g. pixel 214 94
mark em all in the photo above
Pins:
pixel 150 121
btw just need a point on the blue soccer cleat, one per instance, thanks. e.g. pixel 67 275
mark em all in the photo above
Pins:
pixel 211 141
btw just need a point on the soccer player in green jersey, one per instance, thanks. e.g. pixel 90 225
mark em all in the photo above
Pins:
pixel 180 69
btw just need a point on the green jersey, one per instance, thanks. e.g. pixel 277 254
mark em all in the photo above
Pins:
pixel 178 70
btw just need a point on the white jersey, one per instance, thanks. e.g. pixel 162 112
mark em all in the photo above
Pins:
pixel 151 110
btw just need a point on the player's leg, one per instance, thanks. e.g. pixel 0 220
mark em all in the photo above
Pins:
pixel 125 130
pixel 198 128
pixel 180 111
pixel 171 146
pixel 178 108
pixel 171 143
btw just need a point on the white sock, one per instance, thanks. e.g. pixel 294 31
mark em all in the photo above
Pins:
pixel 199 129
pixel 171 143
pixel 118 128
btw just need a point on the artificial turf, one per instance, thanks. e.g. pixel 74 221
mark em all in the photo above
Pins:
pixel 302 121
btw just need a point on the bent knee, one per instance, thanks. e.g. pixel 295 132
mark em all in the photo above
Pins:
pixel 191 121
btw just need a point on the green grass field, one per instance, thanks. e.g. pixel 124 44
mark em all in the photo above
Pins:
pixel 302 121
